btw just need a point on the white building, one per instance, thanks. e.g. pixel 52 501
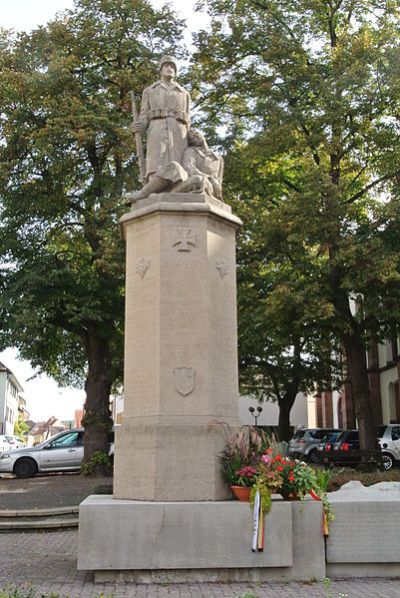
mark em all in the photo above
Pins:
pixel 299 414
pixel 10 399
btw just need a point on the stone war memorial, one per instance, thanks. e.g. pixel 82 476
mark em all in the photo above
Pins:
pixel 171 516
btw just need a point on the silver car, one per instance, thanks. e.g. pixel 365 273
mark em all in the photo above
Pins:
pixel 389 441
pixel 304 443
pixel 63 452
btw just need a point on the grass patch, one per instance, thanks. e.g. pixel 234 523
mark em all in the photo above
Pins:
pixel 342 476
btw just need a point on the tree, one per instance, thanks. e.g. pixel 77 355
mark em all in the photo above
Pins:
pixel 66 156
pixel 281 350
pixel 311 87
pixel 21 428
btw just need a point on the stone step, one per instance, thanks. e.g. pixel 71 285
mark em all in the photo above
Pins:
pixel 39 524
pixel 49 512
pixel 39 519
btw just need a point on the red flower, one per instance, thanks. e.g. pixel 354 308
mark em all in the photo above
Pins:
pixel 279 468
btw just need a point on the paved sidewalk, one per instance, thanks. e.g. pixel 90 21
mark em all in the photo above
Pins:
pixel 50 490
pixel 46 561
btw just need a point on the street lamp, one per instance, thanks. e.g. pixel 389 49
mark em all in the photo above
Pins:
pixel 254 414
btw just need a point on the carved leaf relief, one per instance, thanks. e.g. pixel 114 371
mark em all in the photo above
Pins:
pixel 222 267
pixel 142 266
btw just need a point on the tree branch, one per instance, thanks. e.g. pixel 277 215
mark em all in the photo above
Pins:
pixel 382 179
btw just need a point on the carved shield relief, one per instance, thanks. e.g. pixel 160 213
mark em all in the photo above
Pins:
pixel 184 379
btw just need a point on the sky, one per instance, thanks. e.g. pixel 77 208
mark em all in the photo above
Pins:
pixel 43 396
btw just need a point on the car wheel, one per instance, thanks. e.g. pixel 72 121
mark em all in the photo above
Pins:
pixel 314 457
pixel 25 468
pixel 387 461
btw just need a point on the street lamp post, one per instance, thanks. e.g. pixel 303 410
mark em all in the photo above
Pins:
pixel 254 414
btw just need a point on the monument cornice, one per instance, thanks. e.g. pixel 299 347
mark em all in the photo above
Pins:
pixel 189 203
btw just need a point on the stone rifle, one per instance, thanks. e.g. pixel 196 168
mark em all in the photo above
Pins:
pixel 138 141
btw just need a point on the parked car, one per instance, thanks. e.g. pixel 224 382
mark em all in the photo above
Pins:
pixel 389 441
pixel 327 444
pixel 305 442
pixel 63 452
pixel 345 450
pixel 15 442
pixel 4 443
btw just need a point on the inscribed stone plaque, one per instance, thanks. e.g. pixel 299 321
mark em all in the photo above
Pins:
pixel 365 532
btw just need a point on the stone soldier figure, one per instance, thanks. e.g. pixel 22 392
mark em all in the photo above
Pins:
pixel 203 166
pixel 164 116
pixel 201 172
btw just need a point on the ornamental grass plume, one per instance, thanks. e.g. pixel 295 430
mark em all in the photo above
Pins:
pixel 243 448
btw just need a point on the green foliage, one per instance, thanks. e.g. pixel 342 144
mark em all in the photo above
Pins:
pixel 99 462
pixel 12 592
pixel 66 157
pixel 323 478
pixel 306 93
pixel 21 428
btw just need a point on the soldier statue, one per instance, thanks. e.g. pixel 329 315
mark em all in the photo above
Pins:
pixel 177 158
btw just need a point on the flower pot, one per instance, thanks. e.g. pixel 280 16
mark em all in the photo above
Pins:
pixel 242 493
pixel 290 496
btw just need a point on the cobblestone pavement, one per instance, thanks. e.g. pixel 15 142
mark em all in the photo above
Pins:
pixel 47 562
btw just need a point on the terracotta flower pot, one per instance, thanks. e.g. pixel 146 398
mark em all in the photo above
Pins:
pixel 241 493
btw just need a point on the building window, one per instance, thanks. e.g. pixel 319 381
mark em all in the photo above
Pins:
pixel 392 351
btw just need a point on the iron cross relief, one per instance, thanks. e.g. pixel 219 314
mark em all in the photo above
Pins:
pixel 184 239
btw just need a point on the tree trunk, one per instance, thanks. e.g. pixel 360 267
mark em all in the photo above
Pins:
pixel 97 419
pixel 356 363
pixel 284 428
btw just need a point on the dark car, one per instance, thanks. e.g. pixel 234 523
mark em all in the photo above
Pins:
pixel 305 442
pixel 326 445
pixel 346 451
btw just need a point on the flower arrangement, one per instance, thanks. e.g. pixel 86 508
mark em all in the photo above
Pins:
pixel 253 460
pixel 246 476
pixel 298 479
pixel 242 454
pixel 292 479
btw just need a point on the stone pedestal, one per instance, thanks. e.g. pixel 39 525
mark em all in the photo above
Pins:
pixel 144 542
pixel 167 520
pixel 180 348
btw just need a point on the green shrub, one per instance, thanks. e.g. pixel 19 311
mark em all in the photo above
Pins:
pixel 99 463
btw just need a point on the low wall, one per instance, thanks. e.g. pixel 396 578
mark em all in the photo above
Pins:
pixel 364 539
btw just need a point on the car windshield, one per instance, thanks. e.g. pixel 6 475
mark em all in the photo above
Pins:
pixel 330 437
pixel 317 434
pixel 299 434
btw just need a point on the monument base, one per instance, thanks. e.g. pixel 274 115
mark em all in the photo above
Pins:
pixel 147 542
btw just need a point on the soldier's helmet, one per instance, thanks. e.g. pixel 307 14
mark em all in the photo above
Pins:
pixel 169 59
